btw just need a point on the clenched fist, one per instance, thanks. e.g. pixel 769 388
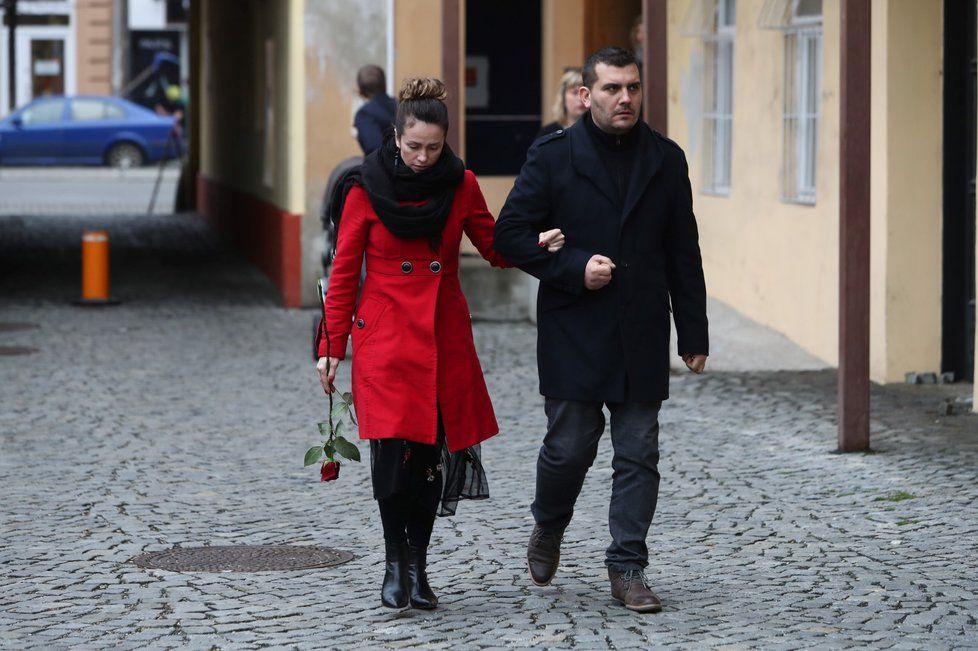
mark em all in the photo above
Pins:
pixel 597 273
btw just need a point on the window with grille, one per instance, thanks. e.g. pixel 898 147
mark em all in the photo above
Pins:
pixel 718 46
pixel 802 97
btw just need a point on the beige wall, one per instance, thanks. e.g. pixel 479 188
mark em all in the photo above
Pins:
pixel 417 39
pixel 340 37
pixel 907 187
pixel 777 262
pixel 233 81
pixel 562 46
pixel 93 39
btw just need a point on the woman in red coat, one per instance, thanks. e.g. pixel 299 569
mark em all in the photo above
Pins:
pixel 418 388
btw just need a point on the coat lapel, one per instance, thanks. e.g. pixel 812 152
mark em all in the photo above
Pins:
pixel 587 162
pixel 647 163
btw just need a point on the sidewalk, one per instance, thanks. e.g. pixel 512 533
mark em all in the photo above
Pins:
pixel 180 418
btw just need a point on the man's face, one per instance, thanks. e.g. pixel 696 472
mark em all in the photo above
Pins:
pixel 615 100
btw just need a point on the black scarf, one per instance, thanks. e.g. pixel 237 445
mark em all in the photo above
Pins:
pixel 389 182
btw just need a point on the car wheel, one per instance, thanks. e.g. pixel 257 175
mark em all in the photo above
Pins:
pixel 124 155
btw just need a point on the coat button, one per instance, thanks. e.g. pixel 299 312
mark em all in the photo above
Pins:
pixel 360 323
pixel 435 267
pixel 407 267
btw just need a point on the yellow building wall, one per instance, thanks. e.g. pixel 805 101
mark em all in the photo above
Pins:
pixel 774 261
pixel 417 39
pixel 562 46
pixel 907 191
pixel 250 50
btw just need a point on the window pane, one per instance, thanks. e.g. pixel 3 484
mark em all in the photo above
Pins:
pixel 113 112
pixel 87 109
pixel 808 8
pixel 728 13
pixel 812 67
pixel 44 112
pixel 725 77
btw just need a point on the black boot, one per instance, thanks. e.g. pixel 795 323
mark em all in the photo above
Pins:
pixel 421 594
pixel 394 593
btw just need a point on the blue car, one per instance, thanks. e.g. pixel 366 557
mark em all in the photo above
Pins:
pixel 86 130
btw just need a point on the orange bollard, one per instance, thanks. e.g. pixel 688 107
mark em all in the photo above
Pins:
pixel 95 268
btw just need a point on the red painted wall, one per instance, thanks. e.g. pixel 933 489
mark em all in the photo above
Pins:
pixel 269 236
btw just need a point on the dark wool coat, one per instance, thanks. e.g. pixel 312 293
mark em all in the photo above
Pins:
pixel 610 344
pixel 413 350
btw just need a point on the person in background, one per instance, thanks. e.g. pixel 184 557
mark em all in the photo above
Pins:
pixel 637 38
pixel 375 117
pixel 568 106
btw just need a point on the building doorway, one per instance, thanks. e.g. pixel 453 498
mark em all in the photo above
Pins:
pixel 958 304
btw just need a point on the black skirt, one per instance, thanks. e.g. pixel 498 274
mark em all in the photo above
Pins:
pixel 404 467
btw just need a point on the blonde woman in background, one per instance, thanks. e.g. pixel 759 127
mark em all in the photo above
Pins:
pixel 568 105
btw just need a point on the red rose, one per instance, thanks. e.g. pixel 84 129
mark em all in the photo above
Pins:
pixel 330 471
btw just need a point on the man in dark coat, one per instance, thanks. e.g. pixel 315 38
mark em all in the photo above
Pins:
pixel 376 116
pixel 621 194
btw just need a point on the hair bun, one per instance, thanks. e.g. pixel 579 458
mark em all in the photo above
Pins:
pixel 422 88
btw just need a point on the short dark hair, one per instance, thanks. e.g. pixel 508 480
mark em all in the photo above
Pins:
pixel 618 57
pixel 371 80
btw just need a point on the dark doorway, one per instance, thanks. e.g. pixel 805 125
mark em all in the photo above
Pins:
pixel 502 83
pixel 958 305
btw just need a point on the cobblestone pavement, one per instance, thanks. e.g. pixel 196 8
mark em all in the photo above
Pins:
pixel 180 418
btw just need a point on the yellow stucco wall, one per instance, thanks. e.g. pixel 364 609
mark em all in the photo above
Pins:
pixel 562 46
pixel 238 37
pixel 417 39
pixel 777 262
pixel 907 208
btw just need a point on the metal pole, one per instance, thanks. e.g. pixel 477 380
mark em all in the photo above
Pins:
pixel 11 13
pixel 655 78
pixel 854 221
pixel 120 49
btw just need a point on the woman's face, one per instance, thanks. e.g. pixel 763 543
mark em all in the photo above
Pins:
pixel 420 144
pixel 573 104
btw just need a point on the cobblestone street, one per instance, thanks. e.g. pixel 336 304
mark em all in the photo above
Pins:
pixel 180 417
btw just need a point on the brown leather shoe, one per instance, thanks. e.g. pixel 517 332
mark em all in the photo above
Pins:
pixel 543 554
pixel 631 589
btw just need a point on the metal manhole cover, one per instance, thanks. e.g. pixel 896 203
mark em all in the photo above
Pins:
pixel 242 558
pixel 12 326
pixel 11 351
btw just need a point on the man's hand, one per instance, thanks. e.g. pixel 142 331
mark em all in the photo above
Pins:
pixel 327 372
pixel 695 363
pixel 597 273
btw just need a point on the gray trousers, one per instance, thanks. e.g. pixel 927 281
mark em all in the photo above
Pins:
pixel 573 431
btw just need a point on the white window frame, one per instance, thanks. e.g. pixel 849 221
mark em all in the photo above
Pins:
pixel 801 109
pixel 718 79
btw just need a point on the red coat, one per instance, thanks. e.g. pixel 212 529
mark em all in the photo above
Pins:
pixel 412 332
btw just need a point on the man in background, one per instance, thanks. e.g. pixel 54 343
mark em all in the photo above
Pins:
pixel 376 116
